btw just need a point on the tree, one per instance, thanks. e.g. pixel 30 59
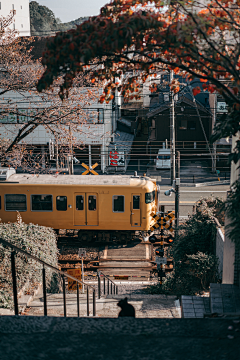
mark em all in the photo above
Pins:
pixel 23 109
pixel 43 21
pixel 195 38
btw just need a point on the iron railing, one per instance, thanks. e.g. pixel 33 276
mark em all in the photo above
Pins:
pixel 113 287
pixel 63 274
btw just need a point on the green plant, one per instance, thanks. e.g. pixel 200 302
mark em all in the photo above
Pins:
pixel 37 240
pixel 195 264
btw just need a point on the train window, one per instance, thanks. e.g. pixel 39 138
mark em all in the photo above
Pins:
pixel 15 202
pixel 92 203
pixel 61 203
pixel 42 202
pixel 136 202
pixel 79 202
pixel 118 203
pixel 150 197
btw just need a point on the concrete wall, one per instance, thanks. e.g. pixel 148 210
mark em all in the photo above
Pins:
pixel 21 18
pixel 228 259
pixel 219 250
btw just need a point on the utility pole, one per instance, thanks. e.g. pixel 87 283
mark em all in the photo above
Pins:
pixel 177 194
pixel 172 131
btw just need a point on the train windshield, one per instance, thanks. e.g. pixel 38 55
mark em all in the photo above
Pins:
pixel 150 197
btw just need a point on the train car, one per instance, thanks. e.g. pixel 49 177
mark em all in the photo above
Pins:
pixel 101 207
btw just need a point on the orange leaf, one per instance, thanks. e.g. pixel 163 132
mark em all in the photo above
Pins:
pixel 203 80
pixel 196 90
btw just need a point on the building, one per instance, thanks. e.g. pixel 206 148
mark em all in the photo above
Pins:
pixel 88 143
pixel 20 9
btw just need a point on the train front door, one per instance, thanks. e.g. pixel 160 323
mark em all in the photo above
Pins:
pixel 80 212
pixel 135 210
pixel 92 208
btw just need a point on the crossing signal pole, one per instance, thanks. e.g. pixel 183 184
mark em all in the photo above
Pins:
pixel 172 131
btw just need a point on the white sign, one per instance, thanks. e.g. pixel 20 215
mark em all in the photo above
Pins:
pixel 221 107
pixel 161 260
pixel 116 158
pixel 81 252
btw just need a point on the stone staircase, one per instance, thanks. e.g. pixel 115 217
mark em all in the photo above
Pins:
pixel 132 260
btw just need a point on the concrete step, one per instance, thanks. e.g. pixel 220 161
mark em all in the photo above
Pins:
pixel 124 264
pixel 35 338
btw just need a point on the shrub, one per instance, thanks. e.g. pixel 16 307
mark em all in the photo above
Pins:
pixel 193 252
pixel 37 240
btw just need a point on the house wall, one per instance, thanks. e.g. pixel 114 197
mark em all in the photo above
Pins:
pixel 162 124
pixel 88 133
pixel 219 250
pixel 21 18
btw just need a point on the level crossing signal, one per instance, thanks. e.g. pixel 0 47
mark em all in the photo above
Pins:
pixel 164 221
pixel 89 169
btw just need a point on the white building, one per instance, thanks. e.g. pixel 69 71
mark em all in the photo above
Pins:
pixel 20 9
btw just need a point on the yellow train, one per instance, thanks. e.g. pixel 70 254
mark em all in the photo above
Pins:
pixel 99 207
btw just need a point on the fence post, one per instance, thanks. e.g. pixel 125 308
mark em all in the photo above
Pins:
pixel 64 297
pixel 94 303
pixel 78 312
pixel 104 283
pixel 111 288
pixel 44 290
pixel 99 285
pixel 116 290
pixel 108 286
pixel 87 302
pixel 14 282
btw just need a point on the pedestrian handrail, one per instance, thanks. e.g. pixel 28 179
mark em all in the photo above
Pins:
pixel 17 249
pixel 114 287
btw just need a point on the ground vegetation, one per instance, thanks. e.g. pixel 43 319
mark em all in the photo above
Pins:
pixel 36 240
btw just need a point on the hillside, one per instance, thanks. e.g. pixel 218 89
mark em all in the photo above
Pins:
pixel 44 23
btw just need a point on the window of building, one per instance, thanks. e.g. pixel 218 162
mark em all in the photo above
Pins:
pixel 13 26
pixel 22 25
pixel 100 116
pixel 15 202
pixel 79 202
pixel 41 202
pixel 92 203
pixel 191 125
pixel 21 7
pixel 183 125
pixel 136 202
pixel 0 5
pixel 61 203
pixel 13 6
pixel 118 203
pixel 150 197
pixel 187 125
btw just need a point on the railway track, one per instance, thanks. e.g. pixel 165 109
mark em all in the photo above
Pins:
pixel 135 260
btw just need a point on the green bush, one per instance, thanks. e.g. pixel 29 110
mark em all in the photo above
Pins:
pixel 193 252
pixel 37 240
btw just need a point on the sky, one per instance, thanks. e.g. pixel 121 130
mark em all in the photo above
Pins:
pixel 68 10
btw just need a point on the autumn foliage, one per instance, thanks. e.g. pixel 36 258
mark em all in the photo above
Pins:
pixel 195 38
